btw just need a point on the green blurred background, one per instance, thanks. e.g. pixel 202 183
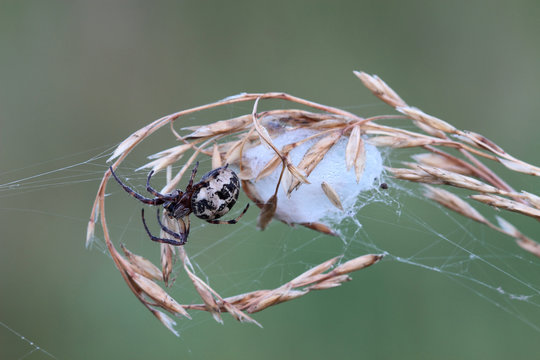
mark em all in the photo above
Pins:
pixel 77 77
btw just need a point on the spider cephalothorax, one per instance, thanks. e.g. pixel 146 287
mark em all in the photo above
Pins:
pixel 209 199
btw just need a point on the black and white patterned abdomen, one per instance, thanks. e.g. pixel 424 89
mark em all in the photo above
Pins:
pixel 217 195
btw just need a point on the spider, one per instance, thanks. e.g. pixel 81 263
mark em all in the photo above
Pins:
pixel 209 199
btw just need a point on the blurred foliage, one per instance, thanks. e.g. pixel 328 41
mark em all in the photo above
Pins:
pixel 79 76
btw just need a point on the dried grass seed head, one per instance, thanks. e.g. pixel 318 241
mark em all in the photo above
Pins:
pixel 245 134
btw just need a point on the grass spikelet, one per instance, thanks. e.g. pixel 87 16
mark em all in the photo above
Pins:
pixel 332 195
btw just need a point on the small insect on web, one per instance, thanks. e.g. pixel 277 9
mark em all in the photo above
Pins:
pixel 209 199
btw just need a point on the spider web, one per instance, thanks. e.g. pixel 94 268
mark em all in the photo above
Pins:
pixel 399 222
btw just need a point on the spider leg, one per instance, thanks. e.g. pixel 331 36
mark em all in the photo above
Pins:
pixel 187 226
pixel 151 190
pixel 232 221
pixel 180 236
pixel 193 172
pixel 157 239
pixel 136 195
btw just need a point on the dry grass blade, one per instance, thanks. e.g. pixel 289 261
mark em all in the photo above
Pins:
pixel 220 127
pixel 415 175
pixel 166 158
pixel 130 142
pixel 166 320
pixel 455 203
pixel 320 227
pixel 269 167
pixel 385 141
pixel 533 199
pixel 520 166
pixel 294 117
pixel 508 228
pixel 245 174
pixel 483 142
pixel 267 212
pixel 360 160
pixel 286 181
pixel 167 253
pixel 216 158
pixel 314 156
pixel 312 279
pixel 358 263
pixel 297 176
pixel 265 138
pixel 426 119
pixel 251 192
pixel 273 298
pixel 523 241
pixel 174 151
pixel 205 292
pixel 157 294
pixel 503 157
pixel 206 296
pixel 90 230
pixel 330 283
pixel 142 266
pixel 332 195
pixel 507 204
pixel 239 315
pixel 429 130
pixel 326 124
pixel 380 89
pixel 261 131
pixel 529 245
pixel 459 180
pixel 443 162
pixel 172 184
pixel 306 277
pixel 400 141
pixel 353 144
pixel 234 153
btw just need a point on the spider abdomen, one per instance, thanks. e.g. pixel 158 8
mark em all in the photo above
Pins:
pixel 216 195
